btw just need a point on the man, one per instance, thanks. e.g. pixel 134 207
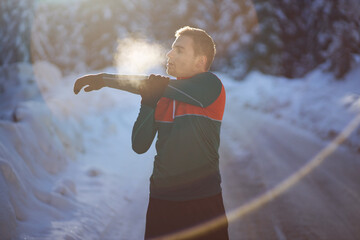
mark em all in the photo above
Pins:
pixel 186 114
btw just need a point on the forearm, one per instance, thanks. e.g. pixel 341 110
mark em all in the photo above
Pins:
pixel 129 83
pixel 144 130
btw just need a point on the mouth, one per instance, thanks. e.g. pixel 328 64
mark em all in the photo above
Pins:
pixel 169 64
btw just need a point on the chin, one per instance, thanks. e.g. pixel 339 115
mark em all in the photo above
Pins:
pixel 171 73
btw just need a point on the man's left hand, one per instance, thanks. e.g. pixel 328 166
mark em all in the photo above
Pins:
pixel 95 82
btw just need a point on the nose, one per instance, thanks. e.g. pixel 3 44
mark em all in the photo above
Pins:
pixel 168 53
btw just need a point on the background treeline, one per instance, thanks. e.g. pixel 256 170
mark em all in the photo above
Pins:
pixel 278 37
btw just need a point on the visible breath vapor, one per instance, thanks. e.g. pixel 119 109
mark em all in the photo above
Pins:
pixel 138 56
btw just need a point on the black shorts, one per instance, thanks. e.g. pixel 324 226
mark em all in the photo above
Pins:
pixel 170 217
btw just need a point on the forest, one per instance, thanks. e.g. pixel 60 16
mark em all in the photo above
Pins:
pixel 276 37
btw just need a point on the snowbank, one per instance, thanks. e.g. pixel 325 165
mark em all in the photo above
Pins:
pixel 42 129
pixel 317 102
pixel 35 146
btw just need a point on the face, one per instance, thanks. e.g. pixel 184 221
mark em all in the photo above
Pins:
pixel 181 59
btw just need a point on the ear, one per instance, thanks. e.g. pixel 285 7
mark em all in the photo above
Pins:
pixel 201 62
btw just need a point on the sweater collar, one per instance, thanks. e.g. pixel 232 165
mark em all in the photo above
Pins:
pixel 182 78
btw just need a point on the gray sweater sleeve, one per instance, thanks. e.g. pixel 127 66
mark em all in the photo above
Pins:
pixel 144 130
pixel 200 90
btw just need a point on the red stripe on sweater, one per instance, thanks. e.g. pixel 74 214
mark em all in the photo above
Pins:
pixel 215 111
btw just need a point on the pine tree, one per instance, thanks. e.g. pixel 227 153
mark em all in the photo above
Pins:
pixel 15 21
pixel 294 38
pixel 230 23
pixel 340 38
pixel 264 51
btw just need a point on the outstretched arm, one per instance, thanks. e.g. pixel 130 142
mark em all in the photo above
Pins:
pixel 200 90
pixel 129 83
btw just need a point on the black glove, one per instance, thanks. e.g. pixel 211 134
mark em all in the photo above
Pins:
pixel 95 82
pixel 152 89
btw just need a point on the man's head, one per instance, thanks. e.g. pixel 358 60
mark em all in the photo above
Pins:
pixel 192 52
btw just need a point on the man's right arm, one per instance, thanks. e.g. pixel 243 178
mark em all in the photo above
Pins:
pixel 144 130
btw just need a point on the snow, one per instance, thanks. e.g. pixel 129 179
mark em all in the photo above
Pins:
pixel 316 103
pixel 67 170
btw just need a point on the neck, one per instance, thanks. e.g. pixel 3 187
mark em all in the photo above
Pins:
pixel 190 76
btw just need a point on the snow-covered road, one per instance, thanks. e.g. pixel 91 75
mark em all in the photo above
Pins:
pixel 262 151
pixel 112 183
pixel 103 192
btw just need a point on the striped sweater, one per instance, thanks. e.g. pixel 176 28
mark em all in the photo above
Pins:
pixel 187 121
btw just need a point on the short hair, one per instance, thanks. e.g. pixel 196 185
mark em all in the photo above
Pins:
pixel 203 43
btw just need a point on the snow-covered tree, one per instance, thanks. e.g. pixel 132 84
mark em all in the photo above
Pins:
pixel 278 37
pixel 15 26
pixel 338 35
pixel 231 23
pixel 294 38
pixel 263 52
pixel 55 37
pixel 79 36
